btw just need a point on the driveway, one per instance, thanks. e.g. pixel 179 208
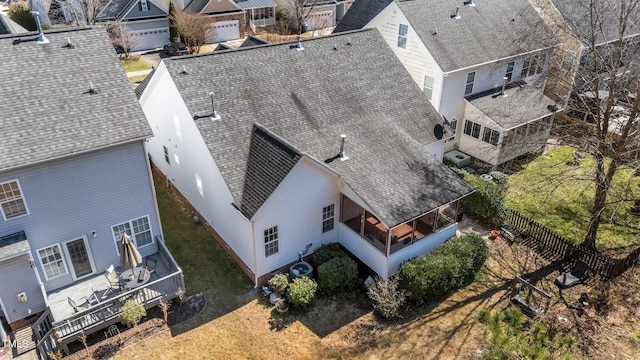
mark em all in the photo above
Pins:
pixel 152 57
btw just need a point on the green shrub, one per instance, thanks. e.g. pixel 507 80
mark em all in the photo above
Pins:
pixel 326 252
pixel 460 172
pixel 131 313
pixel 338 274
pixel 447 268
pixel 387 297
pixel 499 177
pixel 279 283
pixel 282 14
pixel 174 33
pixel 302 292
pixel 487 202
pixel 21 14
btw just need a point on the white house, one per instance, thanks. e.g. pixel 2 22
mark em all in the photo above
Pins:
pixel 459 51
pixel 311 147
pixel 74 176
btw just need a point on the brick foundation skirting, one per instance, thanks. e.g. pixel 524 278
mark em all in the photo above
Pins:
pixel 28 321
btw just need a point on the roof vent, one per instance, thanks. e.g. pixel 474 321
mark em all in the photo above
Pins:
pixel 298 45
pixel 213 115
pixel 342 155
pixel 69 44
pixel 348 42
pixel 335 47
pixel 184 70
pixel 470 3
pixel 456 15
pixel 41 39
pixel 505 80
pixel 92 89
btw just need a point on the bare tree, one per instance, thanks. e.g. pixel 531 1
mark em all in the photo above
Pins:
pixel 193 28
pixel 122 37
pixel 600 79
pixel 91 9
pixel 299 12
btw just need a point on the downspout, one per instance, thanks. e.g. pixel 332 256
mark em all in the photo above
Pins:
pixel 386 268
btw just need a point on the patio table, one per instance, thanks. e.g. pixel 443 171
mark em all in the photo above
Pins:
pixel 132 279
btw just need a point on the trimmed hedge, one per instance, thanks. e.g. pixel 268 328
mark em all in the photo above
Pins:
pixel 487 202
pixel 337 274
pixel 447 268
pixel 326 252
pixel 302 292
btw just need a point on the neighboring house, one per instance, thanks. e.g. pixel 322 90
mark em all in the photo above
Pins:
pixel 317 14
pixel 251 41
pixel 460 52
pixel 571 61
pixel 258 13
pixel 227 19
pixel 74 175
pixel 146 21
pixel 268 168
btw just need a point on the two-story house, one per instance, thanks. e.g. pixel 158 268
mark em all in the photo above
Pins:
pixel 313 146
pixel 74 177
pixel 475 61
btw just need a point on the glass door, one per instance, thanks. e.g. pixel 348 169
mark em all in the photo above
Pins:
pixel 80 259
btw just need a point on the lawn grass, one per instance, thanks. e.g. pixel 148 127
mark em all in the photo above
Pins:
pixel 137 79
pixel 134 65
pixel 560 197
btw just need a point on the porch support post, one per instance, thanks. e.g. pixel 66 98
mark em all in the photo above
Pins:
pixel 413 230
pixel 362 220
pixel 458 204
pixel 435 220
pixel 387 245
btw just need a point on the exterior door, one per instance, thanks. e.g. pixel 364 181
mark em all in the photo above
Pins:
pixel 79 257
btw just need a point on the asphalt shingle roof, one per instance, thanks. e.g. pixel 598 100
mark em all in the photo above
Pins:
pixel 522 102
pixel 255 4
pixel 13 244
pixel 488 31
pixel 252 41
pixel 360 14
pixel 47 109
pixel 310 97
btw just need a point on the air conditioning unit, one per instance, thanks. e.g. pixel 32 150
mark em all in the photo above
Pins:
pixel 459 158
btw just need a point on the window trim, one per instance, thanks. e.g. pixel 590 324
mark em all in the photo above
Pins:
pixel 468 124
pixel 492 134
pixel 271 240
pixel 326 219
pixel 116 241
pixel 509 73
pixel 430 89
pixel 468 83
pixel 22 197
pixel 144 5
pixel 62 258
pixel 403 35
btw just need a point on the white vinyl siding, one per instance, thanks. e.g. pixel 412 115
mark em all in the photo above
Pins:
pixel 52 261
pixel 271 241
pixel 428 86
pixel 402 36
pixel 11 200
pixel 138 229
pixel 328 217
pixel 471 77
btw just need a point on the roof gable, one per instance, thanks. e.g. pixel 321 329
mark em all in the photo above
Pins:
pixel 134 10
pixel 360 14
pixel 212 6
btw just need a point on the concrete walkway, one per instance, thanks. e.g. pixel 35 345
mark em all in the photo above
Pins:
pixel 138 73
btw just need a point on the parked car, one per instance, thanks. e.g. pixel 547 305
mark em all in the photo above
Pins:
pixel 177 48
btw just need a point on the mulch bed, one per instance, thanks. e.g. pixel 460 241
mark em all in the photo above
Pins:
pixel 100 348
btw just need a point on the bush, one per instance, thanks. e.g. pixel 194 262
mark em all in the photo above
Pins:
pixel 487 202
pixel 460 172
pixel 282 14
pixel 338 274
pixel 132 312
pixel 499 178
pixel 387 298
pixel 279 283
pixel 21 14
pixel 302 292
pixel 326 252
pixel 447 268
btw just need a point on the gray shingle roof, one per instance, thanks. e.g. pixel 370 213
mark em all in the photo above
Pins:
pixel 523 103
pixel 113 9
pixel 47 110
pixel 309 98
pixel 577 13
pixel 491 30
pixel 360 14
pixel 13 244
pixel 255 4
pixel 143 84
pixel 252 41
pixel 269 161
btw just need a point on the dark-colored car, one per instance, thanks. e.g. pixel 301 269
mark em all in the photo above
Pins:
pixel 176 48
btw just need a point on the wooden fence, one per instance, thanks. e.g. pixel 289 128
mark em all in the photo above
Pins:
pixel 554 247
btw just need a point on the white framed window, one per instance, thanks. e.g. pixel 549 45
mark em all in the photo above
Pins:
pixel 271 241
pixel 471 77
pixel 11 200
pixel 533 65
pixel 402 35
pixel 453 125
pixel 144 5
pixel 509 73
pixel 472 129
pixel 139 230
pixel 166 154
pixel 490 136
pixel 328 216
pixel 428 86
pixel 52 261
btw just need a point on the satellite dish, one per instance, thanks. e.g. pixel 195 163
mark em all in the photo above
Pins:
pixel 438 131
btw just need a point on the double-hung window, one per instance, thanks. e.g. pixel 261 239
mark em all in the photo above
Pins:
pixel 11 200
pixel 271 241
pixel 509 73
pixel 402 36
pixel 428 86
pixel 471 77
pixel 52 261
pixel 328 215
pixel 139 229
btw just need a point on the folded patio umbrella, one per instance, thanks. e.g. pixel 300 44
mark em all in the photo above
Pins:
pixel 129 255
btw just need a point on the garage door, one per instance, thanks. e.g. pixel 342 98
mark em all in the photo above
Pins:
pixel 223 31
pixel 149 39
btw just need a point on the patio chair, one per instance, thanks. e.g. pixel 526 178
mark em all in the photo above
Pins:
pixel 78 308
pixel 577 275
pixel 115 284
pixel 150 265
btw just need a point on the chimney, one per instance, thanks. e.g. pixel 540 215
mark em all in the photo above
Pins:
pixel 457 13
pixel 342 155
pixel 213 115
pixel 41 39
